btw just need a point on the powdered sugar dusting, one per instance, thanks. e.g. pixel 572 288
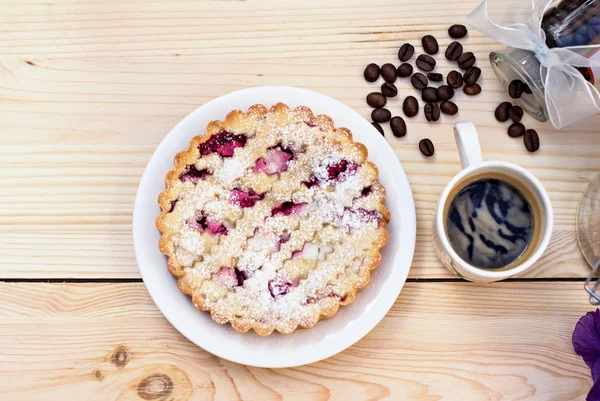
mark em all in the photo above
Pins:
pixel 232 170
pixel 272 250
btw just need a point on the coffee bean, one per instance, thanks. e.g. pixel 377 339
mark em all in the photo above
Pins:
pixel 502 111
pixel 454 79
pixel 466 60
pixel 404 70
pixel 516 113
pixel 432 112
pixel 410 106
pixel 381 115
pixel 472 90
pixel 593 31
pixel 449 108
pixel 371 72
pixel 515 88
pixel 376 99
pixel 406 52
pixel 457 31
pixel 378 128
pixel 435 77
pixel 426 147
pixel 388 72
pixel 453 51
pixel 428 95
pixel 581 39
pixel 389 90
pixel 398 126
pixel 531 140
pixel 515 130
pixel 419 81
pixel 425 62
pixel 527 89
pixel 444 92
pixel 472 75
pixel 430 44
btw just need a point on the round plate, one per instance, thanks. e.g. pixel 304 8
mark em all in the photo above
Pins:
pixel 304 346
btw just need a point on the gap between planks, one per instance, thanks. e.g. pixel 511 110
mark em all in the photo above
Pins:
pixel 409 280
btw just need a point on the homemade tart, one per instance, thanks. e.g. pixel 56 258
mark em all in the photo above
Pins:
pixel 272 219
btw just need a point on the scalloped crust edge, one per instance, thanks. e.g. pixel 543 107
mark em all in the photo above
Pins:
pixel 185 157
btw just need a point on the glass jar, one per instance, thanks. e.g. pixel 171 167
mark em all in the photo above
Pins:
pixel 569 23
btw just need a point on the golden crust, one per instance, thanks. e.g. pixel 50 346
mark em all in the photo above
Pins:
pixel 188 282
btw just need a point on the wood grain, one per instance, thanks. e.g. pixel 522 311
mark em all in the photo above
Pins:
pixel 440 341
pixel 88 89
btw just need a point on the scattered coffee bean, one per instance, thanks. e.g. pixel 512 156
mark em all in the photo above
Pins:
pixel 454 51
pixel 531 140
pixel 432 111
pixel 389 90
pixel 582 70
pixel 466 60
pixel 404 70
pixel 593 31
pixel 381 115
pixel 378 127
pixel 515 88
pixel 435 77
pixel 398 126
pixel 457 31
pixel 454 79
pixel 444 92
pixel 428 95
pixel 388 72
pixel 410 106
pixel 502 111
pixel 449 108
pixel 515 130
pixel 376 100
pixel 371 72
pixel 430 44
pixel 406 52
pixel 426 147
pixel 527 89
pixel 419 81
pixel 516 113
pixel 472 75
pixel 472 90
pixel 425 62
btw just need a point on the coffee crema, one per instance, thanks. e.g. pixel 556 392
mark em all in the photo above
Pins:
pixel 490 223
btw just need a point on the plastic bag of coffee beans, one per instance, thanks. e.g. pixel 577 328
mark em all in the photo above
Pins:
pixel 549 67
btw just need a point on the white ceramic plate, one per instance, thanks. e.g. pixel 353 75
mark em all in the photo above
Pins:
pixel 329 336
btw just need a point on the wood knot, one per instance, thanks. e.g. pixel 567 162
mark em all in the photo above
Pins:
pixel 98 375
pixel 30 62
pixel 155 386
pixel 120 356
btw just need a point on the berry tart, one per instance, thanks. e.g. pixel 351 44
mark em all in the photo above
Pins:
pixel 272 219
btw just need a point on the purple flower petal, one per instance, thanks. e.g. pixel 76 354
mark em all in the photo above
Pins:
pixel 594 394
pixel 586 340
pixel 596 370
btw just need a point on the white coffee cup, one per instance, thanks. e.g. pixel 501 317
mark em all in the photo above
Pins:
pixel 474 168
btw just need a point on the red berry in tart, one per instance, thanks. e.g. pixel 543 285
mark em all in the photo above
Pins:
pixel 275 161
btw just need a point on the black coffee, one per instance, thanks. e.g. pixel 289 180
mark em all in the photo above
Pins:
pixel 489 223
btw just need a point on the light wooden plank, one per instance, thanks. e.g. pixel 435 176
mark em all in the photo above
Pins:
pixel 88 89
pixel 440 341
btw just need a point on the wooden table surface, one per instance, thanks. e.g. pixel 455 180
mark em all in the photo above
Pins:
pixel 87 91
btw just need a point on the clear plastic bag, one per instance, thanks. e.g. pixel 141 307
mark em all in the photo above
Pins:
pixel 553 48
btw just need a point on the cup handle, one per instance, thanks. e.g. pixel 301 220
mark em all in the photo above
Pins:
pixel 467 142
